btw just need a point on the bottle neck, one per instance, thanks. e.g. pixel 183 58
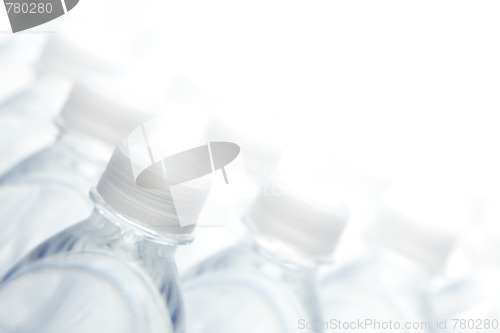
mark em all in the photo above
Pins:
pixel 152 252
pixel 140 230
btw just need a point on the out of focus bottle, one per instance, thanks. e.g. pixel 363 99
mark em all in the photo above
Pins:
pixel 26 118
pixel 266 282
pixel 115 271
pixel 390 287
pixel 47 192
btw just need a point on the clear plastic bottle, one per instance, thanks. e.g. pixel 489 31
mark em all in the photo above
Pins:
pixel 26 118
pixel 266 282
pixel 390 287
pixel 53 183
pixel 115 271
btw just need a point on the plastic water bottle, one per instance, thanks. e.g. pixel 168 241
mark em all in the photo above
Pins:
pixel 26 118
pixel 47 192
pixel 115 271
pixel 390 288
pixel 266 282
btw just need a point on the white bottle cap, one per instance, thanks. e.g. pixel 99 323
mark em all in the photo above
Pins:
pixel 421 223
pixel 70 58
pixel 298 217
pixel 159 177
pixel 151 208
pixel 101 108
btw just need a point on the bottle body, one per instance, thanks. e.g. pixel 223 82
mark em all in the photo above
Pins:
pixel 247 289
pixel 26 119
pixel 98 275
pixel 43 195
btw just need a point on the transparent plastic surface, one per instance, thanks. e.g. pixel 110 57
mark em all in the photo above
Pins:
pixel 21 49
pixel 85 298
pixel 45 194
pixel 15 78
pixel 26 119
pixel 100 275
pixel 380 289
pixel 249 288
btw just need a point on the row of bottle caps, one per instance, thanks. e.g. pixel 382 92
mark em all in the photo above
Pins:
pixel 304 208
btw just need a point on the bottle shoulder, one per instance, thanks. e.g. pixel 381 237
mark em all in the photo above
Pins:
pixel 96 240
pixel 247 256
pixel 30 213
pixel 56 163
pixel 100 249
pixel 243 279
pixel 241 258
pixel 96 235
